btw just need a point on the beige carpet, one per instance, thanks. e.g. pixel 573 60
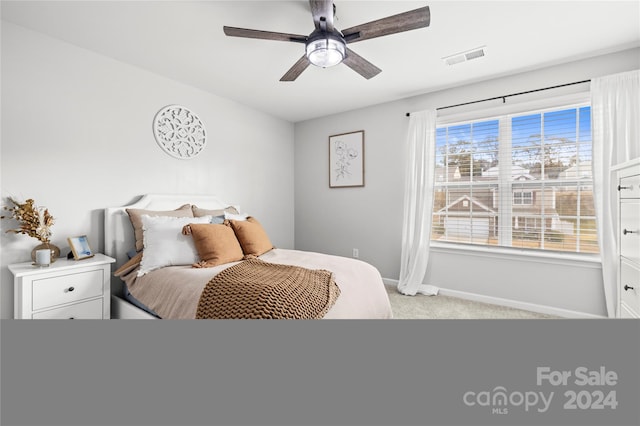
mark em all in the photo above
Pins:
pixel 447 307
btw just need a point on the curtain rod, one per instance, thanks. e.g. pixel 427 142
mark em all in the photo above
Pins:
pixel 503 97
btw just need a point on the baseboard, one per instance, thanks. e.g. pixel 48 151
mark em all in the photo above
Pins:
pixel 542 309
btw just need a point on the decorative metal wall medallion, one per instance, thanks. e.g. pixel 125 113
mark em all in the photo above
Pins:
pixel 179 132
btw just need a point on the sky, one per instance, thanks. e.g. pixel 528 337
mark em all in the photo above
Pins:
pixel 567 133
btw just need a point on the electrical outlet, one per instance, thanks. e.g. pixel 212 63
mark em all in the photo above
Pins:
pixel 355 253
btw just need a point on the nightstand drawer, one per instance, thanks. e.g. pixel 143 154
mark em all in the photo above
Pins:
pixel 48 292
pixel 630 277
pixel 91 309
pixel 630 230
pixel 630 186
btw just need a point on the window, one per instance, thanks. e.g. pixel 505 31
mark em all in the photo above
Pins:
pixel 521 198
pixel 521 180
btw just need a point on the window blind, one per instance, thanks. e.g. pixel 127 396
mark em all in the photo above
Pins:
pixel 521 180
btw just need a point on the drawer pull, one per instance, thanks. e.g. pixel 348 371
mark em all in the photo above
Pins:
pixel 628 287
pixel 626 231
pixel 623 187
pixel 72 288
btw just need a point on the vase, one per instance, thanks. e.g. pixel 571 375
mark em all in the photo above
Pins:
pixel 55 251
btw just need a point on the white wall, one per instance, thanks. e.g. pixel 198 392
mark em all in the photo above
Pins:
pixel 77 137
pixel 370 218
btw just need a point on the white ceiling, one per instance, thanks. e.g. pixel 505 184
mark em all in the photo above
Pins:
pixel 183 40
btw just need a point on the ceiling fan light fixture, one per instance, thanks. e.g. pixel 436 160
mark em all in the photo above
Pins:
pixel 326 46
pixel 326 50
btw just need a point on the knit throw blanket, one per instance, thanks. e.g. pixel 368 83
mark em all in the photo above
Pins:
pixel 255 289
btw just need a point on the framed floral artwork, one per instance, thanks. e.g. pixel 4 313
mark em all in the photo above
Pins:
pixel 346 160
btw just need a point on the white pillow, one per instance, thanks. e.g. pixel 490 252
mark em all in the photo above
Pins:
pixel 164 244
pixel 233 216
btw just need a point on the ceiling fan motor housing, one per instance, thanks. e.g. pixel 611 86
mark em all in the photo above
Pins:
pixel 325 48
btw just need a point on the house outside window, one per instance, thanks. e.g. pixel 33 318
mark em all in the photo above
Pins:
pixel 517 180
pixel 522 198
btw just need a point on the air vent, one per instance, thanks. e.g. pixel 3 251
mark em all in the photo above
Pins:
pixel 452 60
pixel 474 54
pixel 458 58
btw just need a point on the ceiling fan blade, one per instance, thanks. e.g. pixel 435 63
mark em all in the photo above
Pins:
pixel 322 12
pixel 360 65
pixel 411 20
pixel 264 35
pixel 296 69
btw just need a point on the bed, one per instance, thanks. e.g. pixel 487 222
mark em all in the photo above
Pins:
pixel 143 287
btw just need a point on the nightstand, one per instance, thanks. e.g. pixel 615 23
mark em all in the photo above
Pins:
pixel 67 289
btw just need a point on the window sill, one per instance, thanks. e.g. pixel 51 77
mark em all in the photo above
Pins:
pixel 587 260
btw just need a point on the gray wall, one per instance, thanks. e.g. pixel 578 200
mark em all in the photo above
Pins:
pixel 77 137
pixel 370 218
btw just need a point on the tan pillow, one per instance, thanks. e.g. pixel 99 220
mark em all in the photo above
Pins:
pixel 131 264
pixel 198 212
pixel 136 221
pixel 216 244
pixel 252 236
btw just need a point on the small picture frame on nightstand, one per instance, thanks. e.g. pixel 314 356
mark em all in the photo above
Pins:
pixel 80 247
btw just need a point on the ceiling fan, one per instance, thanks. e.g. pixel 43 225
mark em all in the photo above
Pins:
pixel 326 46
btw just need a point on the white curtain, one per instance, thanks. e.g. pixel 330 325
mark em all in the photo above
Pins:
pixel 615 112
pixel 418 203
